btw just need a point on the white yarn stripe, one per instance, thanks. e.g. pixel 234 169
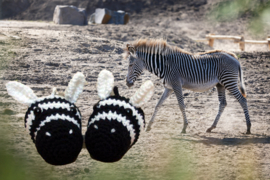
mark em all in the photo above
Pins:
pixel 119 118
pixel 50 97
pixel 56 117
pixel 56 105
pixel 29 120
pixel 115 102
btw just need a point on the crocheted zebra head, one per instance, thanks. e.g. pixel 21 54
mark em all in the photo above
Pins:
pixel 54 122
pixel 116 122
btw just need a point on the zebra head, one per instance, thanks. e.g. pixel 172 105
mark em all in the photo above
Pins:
pixel 136 65
pixel 53 122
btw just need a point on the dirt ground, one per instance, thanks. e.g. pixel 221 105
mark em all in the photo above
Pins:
pixel 44 55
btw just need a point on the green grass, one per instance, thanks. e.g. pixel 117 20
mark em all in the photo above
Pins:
pixel 6 52
pixel 258 13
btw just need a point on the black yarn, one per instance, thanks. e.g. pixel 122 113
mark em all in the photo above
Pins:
pixel 61 147
pixel 102 142
pixel 105 146
pixel 51 111
pixel 59 141
pixel 115 91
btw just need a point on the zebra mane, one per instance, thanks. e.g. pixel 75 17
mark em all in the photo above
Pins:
pixel 153 46
pixel 160 46
pixel 218 51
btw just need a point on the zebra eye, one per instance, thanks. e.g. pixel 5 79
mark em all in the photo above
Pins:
pixel 131 60
pixel 129 112
pixel 37 110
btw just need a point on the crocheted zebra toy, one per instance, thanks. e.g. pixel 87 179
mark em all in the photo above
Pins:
pixel 116 122
pixel 54 122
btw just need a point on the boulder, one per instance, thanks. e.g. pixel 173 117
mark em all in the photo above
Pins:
pixel 106 16
pixel 65 14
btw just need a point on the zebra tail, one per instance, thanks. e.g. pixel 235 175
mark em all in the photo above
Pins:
pixel 242 85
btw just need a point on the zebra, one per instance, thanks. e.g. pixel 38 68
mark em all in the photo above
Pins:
pixel 181 69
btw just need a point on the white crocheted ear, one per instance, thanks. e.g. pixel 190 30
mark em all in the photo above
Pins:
pixel 143 94
pixel 75 87
pixel 21 93
pixel 105 83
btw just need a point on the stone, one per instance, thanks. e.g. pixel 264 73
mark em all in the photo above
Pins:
pixel 106 16
pixel 65 14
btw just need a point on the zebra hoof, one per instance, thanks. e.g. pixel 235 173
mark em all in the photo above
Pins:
pixel 183 131
pixel 148 129
pixel 248 132
pixel 210 129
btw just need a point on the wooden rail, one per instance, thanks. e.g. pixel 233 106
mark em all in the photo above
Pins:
pixel 210 38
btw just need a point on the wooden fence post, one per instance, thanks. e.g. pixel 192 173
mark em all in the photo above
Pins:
pixel 268 41
pixel 237 39
pixel 211 41
pixel 242 43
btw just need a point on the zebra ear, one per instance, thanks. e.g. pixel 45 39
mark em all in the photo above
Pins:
pixel 21 93
pixel 75 87
pixel 105 83
pixel 131 48
pixel 143 94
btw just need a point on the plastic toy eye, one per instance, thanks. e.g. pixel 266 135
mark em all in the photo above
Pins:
pixel 129 112
pixel 73 109
pixel 48 134
pixel 37 110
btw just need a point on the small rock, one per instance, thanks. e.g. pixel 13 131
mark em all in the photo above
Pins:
pixel 183 16
pixel 9 112
pixel 86 170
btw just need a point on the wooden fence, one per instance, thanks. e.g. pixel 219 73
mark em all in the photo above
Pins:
pixel 210 38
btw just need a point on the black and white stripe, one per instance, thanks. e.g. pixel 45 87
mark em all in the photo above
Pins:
pixel 113 128
pixel 48 109
pixel 179 69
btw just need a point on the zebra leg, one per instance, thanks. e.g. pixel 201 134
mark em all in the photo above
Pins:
pixel 164 96
pixel 177 88
pixel 243 102
pixel 222 105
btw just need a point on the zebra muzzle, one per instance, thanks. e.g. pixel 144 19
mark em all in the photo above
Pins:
pixel 130 83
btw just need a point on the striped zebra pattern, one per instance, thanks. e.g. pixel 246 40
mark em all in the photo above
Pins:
pixel 113 128
pixel 180 69
pixel 53 122
pixel 54 125
pixel 46 110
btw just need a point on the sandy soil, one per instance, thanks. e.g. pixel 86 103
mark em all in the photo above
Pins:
pixel 47 55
